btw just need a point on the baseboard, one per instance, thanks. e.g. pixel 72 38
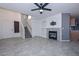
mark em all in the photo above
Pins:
pixel 10 38
pixel 65 40
pixel 39 37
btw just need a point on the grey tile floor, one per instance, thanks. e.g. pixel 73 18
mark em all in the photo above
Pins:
pixel 37 47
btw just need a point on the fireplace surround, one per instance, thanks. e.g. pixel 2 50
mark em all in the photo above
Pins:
pixel 54 33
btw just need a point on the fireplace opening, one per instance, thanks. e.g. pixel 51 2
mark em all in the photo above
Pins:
pixel 53 35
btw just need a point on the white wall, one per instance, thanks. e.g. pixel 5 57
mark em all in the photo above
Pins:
pixel 46 23
pixel 56 18
pixel 39 26
pixel 29 22
pixel 36 27
pixel 0 29
pixel 7 19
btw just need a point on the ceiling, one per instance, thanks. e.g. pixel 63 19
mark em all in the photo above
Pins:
pixel 25 8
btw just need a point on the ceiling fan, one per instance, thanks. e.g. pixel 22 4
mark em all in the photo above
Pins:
pixel 41 7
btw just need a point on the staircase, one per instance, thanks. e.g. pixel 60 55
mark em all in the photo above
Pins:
pixel 27 33
pixel 27 26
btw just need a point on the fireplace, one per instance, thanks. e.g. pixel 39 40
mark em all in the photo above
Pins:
pixel 53 35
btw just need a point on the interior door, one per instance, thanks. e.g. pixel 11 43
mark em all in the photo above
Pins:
pixel 16 26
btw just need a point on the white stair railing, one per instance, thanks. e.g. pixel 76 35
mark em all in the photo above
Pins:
pixel 25 23
pixel 29 27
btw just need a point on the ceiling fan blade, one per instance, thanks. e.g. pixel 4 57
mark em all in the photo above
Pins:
pixel 37 5
pixel 35 9
pixel 47 9
pixel 45 5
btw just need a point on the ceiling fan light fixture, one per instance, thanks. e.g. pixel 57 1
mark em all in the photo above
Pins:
pixel 41 7
pixel 41 10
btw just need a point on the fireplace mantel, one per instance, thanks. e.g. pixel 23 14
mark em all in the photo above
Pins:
pixel 51 27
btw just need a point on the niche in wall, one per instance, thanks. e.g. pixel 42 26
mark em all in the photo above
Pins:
pixel 53 23
pixel 16 26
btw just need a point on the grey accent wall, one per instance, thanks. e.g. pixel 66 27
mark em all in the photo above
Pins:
pixel 65 26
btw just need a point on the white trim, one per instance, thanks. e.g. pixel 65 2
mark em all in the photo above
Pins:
pixel 10 38
pixel 65 40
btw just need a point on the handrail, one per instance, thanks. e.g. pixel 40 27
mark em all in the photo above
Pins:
pixel 29 27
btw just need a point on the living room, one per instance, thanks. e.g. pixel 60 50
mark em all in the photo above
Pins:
pixel 19 34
